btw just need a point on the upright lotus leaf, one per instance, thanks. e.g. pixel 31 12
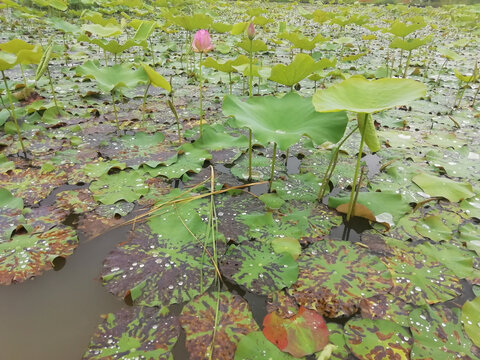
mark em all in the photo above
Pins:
pixel 377 339
pixel 255 346
pixel 418 278
pixel 438 334
pixel 193 22
pixel 336 275
pixel 301 334
pixel 144 30
pixel 221 28
pixel 112 77
pixel 134 332
pixel 29 255
pixel 64 26
pixel 409 44
pixel 440 186
pixel 164 262
pixel 257 45
pixel 466 78
pixel 471 319
pixel 125 185
pixel 7 60
pixel 385 207
pixel 367 96
pixel 270 119
pixel 26 53
pixel 214 324
pixel 112 46
pixel 253 265
pixel 61 5
pixel 156 79
pixel 302 66
pixel 300 41
pixel 225 66
pixel 401 29
pixel 103 31
pixel 217 138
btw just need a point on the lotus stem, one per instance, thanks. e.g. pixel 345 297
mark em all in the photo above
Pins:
pixel 145 103
pixel 332 165
pixel 115 109
pixel 153 52
pixel 174 110
pixel 440 71
pixel 12 111
pixel 230 82
pixel 23 75
pixel 250 75
pixel 357 191
pixel 201 94
pixel 105 57
pixel 407 64
pixel 52 88
pixel 274 156
pixel 351 203
pixel 475 96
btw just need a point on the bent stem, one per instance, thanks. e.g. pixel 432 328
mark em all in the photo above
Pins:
pixel 12 111
pixel 351 203
pixel 145 103
pixel 274 156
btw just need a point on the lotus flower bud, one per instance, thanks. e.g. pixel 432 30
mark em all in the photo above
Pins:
pixel 251 31
pixel 201 42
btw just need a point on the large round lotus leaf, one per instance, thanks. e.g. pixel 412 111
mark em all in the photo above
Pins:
pixel 438 334
pixel 25 256
pixel 111 77
pixel 368 96
pixel 134 333
pixel 387 307
pixel 336 275
pixel 228 313
pixel 164 262
pixel 419 279
pixel 255 346
pixel 471 319
pixel 302 66
pixel 378 339
pixel 258 268
pixel 128 186
pixel 284 120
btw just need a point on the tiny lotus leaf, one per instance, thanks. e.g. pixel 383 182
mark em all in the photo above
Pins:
pixel 367 96
pixel 271 119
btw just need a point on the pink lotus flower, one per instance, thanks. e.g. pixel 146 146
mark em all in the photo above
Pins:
pixel 201 42
pixel 251 31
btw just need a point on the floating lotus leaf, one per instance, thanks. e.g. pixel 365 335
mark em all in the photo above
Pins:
pixel 470 234
pixel 302 66
pixel 271 200
pixel 301 187
pixel 301 334
pixel 378 339
pixel 156 79
pixel 270 119
pixel 419 279
pixel 410 44
pixel 471 319
pixel 103 31
pixel 97 169
pixel 261 168
pixel 288 245
pixel 387 307
pixel 125 185
pixel 253 265
pixel 438 334
pixel 462 163
pixel 254 346
pixel 113 77
pixel 28 255
pixel 337 338
pixel 225 66
pixel 135 332
pixel 199 319
pixel 11 214
pixel 471 206
pixel 76 201
pixel 336 275
pixel 363 96
pixel 439 186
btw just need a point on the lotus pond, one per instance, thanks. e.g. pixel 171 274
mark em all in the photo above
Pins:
pixel 239 180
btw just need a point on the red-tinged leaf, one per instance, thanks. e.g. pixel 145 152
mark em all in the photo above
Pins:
pixel 299 335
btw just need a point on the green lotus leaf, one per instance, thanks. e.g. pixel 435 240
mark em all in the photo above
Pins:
pixel 144 30
pixel 156 79
pixel 97 169
pixel 336 275
pixel 217 138
pixel 11 215
pixel 7 200
pixel 439 186
pixel 438 334
pixel 300 41
pixel 128 186
pixel 370 133
pixel 134 332
pixel 382 339
pixel 270 119
pixel 103 31
pixel 254 346
pixel 470 234
pixel 15 46
pixel 28 255
pixel 253 265
pixel 33 56
pixel 401 29
pixel 62 25
pixel 287 244
pixel 221 28
pixel 239 28
pixel 271 200
pixel 387 307
pixel 233 322
pixel 471 319
pixel 409 44
pixel 302 66
pixel 113 46
pixel 225 66
pixel 257 45
pixel 363 96
pixel 257 71
pixel 466 78
pixel 7 60
pixel 112 77
pixel 456 162
pixel 337 338
pixel 471 206
pixel 193 22
pixel 450 54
